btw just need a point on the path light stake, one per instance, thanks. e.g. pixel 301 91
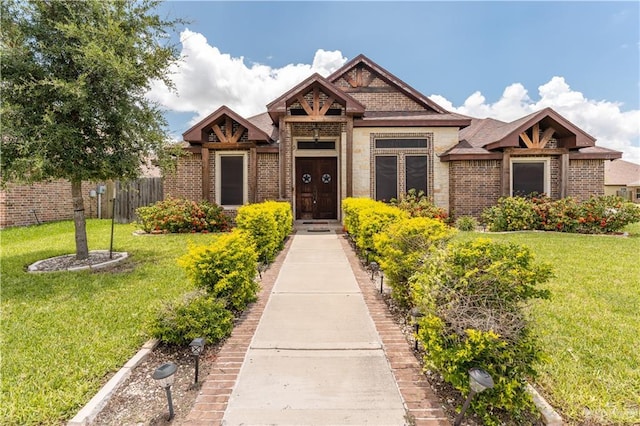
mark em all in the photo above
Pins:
pixel 197 347
pixel 113 218
pixel 381 281
pixel 374 269
pixel 165 375
pixel 415 315
pixel 479 380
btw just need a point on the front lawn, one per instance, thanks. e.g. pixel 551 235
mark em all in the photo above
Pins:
pixel 65 333
pixel 590 328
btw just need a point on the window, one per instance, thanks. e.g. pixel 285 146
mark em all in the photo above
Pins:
pixel 416 173
pixel 638 194
pixel 401 143
pixel 386 177
pixel 231 179
pixel 317 145
pixel 529 175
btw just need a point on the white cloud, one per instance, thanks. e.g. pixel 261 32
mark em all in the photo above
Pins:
pixel 604 120
pixel 206 79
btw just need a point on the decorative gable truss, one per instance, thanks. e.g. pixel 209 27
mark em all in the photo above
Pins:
pixel 315 103
pixel 224 128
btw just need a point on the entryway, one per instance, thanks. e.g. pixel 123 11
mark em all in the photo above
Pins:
pixel 316 188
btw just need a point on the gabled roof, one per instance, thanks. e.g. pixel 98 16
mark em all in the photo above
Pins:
pixel 195 133
pixel 389 79
pixel 623 173
pixel 278 107
pixel 487 136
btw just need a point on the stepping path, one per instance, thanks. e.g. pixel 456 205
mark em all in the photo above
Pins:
pixel 318 348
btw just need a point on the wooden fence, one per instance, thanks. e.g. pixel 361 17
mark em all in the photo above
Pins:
pixel 131 195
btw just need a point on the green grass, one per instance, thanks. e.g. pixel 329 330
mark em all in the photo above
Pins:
pixel 65 333
pixel 590 329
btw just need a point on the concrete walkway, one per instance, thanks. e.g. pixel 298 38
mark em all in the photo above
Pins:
pixel 318 348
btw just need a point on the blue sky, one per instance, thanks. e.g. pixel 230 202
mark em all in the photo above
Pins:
pixel 480 58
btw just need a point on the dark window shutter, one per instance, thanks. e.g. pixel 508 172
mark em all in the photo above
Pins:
pixel 386 178
pixel 416 173
pixel 528 178
pixel 231 180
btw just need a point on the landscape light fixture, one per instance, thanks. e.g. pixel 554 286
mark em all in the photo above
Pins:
pixel 164 375
pixel 197 347
pixel 415 314
pixel 479 380
pixel 374 269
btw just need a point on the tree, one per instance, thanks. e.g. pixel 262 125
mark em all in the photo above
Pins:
pixel 74 80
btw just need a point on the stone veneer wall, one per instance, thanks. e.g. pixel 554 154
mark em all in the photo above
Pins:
pixel 474 185
pixel 49 200
pixel 586 179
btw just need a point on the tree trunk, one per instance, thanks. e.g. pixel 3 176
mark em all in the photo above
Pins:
pixel 82 248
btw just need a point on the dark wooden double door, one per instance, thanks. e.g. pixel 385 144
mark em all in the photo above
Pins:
pixel 316 188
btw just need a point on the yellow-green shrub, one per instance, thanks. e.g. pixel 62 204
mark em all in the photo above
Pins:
pixel 473 295
pixel 226 268
pixel 269 223
pixel 197 315
pixel 374 220
pixel 352 207
pixel 403 247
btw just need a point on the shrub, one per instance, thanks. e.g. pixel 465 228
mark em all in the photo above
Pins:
pixel 403 247
pixel 373 220
pixel 466 223
pixel 511 214
pixel 269 223
pixel 175 215
pixel 474 295
pixel 226 268
pixel 556 215
pixel 197 315
pixel 352 208
pixel 607 214
pixel 417 204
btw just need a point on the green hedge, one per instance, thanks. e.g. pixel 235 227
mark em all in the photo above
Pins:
pixel 597 215
pixel 226 268
pixel 269 223
pixel 197 315
pixel 176 215
pixel 473 295
pixel 403 246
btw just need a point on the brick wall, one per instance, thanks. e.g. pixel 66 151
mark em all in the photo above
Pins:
pixel 186 182
pixel 473 186
pixel 586 179
pixel 268 173
pixel 49 201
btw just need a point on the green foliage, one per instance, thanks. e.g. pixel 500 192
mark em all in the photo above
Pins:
pixel 196 315
pixel 403 246
pixel 226 268
pixel 352 207
pixel 75 78
pixel 417 204
pixel 597 215
pixel 466 223
pixel 269 223
pixel 474 295
pixel 175 215
pixel 511 214
pixel 374 220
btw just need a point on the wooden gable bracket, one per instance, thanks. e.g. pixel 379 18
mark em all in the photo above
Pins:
pixel 315 110
pixel 537 142
pixel 228 136
pixel 359 81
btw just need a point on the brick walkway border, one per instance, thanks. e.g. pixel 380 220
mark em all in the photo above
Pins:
pixel 422 405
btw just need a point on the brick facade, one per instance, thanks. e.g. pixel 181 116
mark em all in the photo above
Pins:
pixel 473 186
pixel 267 177
pixel 186 182
pixel 586 179
pixel 22 205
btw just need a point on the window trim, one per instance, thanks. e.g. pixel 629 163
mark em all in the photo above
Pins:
pixel 245 177
pixel 546 161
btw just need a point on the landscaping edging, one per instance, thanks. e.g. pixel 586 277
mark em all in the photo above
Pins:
pixel 117 257
pixel 86 415
pixel 549 416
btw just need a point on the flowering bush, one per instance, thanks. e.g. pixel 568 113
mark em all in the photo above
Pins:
pixel 175 215
pixel 417 204
pixel 598 215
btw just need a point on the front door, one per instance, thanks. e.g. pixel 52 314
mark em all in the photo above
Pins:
pixel 316 188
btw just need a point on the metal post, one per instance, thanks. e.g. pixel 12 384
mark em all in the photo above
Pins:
pixel 459 417
pixel 197 359
pixel 168 389
pixel 417 330
pixel 113 218
pixel 381 281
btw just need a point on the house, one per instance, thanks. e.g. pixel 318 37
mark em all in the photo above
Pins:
pixel 622 178
pixel 363 132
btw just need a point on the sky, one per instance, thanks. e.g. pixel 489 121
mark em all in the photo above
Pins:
pixel 483 59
